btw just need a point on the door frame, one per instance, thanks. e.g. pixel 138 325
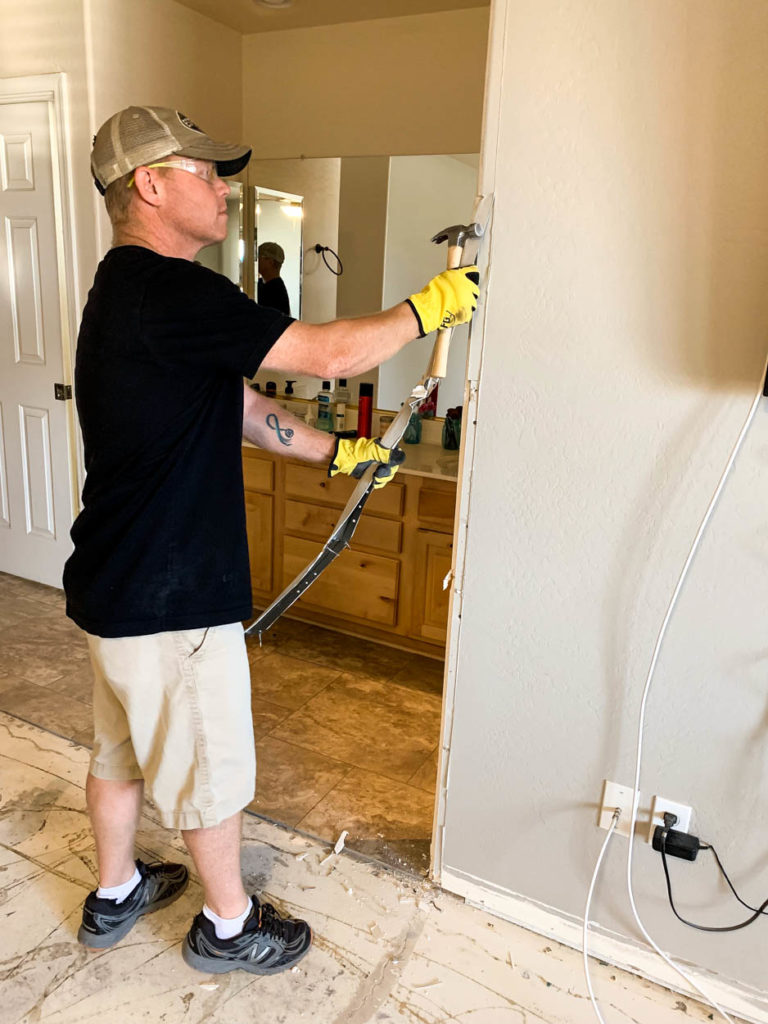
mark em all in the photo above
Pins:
pixel 52 89
pixel 486 184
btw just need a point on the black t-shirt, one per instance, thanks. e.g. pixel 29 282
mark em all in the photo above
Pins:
pixel 161 541
pixel 274 294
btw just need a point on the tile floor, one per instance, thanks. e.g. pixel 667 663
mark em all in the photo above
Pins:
pixel 389 948
pixel 346 731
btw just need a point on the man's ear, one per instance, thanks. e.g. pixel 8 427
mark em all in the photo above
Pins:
pixel 149 185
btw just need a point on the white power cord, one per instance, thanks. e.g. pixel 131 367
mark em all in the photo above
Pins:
pixel 585 941
pixel 641 722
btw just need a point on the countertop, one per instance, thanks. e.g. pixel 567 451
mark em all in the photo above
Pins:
pixel 430 460
pixel 423 460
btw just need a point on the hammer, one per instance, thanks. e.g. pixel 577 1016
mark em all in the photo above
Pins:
pixel 457 235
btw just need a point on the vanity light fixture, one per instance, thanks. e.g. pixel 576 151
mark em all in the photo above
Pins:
pixel 293 210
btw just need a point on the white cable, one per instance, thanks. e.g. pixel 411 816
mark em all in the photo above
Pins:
pixel 585 942
pixel 649 679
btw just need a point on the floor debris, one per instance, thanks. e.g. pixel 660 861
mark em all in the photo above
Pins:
pixel 337 848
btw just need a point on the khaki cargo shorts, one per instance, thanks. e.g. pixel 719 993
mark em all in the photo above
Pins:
pixel 174 709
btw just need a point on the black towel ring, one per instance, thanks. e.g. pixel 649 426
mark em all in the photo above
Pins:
pixel 323 249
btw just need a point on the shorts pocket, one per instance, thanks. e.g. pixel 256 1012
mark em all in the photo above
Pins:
pixel 195 641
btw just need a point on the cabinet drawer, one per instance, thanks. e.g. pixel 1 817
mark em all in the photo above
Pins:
pixel 436 506
pixel 314 484
pixel 318 521
pixel 258 474
pixel 356 584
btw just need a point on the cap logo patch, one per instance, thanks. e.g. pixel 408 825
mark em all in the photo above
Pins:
pixel 189 124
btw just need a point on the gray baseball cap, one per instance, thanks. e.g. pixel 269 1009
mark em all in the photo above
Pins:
pixel 142 135
pixel 272 251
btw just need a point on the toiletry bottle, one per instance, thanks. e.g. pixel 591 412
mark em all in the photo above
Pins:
pixel 365 410
pixel 340 416
pixel 325 408
pixel 342 401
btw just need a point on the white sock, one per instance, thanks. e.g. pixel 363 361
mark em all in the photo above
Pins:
pixel 120 892
pixel 227 927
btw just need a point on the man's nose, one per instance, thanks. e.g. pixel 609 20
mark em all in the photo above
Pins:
pixel 224 186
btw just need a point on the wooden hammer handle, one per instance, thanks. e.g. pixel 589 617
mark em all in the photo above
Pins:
pixel 438 365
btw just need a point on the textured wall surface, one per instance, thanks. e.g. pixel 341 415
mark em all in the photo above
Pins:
pixel 369 88
pixel 627 324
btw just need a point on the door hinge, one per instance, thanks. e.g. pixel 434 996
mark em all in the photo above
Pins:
pixel 62 392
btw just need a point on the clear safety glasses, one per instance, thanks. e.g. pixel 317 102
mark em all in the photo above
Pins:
pixel 206 172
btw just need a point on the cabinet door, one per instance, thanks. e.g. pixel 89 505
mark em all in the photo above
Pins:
pixel 363 586
pixel 258 514
pixel 430 614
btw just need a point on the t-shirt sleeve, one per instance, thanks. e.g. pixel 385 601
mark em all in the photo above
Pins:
pixel 193 316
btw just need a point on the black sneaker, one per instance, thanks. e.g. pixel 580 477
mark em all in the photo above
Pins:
pixel 267 944
pixel 105 921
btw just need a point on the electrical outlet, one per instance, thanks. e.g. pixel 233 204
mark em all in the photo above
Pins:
pixel 615 796
pixel 659 806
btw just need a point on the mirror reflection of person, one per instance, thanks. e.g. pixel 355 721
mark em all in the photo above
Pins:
pixel 271 289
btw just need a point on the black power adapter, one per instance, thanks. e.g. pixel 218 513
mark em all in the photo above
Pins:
pixel 676 844
pixel 680 844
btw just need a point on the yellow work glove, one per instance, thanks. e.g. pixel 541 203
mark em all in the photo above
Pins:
pixel 354 457
pixel 449 299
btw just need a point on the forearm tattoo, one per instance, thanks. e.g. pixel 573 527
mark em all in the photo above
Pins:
pixel 284 434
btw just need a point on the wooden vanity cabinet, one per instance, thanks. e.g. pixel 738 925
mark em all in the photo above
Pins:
pixel 388 586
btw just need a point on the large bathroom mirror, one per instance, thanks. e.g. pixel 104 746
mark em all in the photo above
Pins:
pixel 378 214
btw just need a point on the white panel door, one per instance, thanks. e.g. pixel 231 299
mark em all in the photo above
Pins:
pixel 35 504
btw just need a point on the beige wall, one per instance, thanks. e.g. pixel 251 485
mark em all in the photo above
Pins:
pixel 161 53
pixel 368 88
pixel 626 330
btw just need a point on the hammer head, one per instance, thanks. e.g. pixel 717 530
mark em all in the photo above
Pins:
pixel 457 234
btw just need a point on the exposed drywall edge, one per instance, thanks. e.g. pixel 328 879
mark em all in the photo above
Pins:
pixel 747 1003
pixel 489 145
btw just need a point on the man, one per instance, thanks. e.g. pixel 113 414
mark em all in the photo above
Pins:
pixel 271 290
pixel 159 577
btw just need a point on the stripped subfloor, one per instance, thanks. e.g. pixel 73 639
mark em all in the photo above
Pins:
pixel 389 947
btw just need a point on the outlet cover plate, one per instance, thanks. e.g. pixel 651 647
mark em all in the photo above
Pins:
pixel 615 795
pixel 659 806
